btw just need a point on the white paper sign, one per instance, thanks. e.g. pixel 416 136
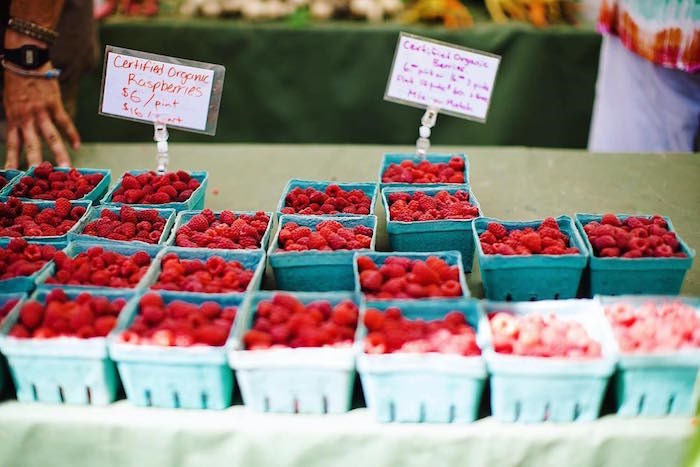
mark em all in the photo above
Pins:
pixel 429 73
pixel 146 87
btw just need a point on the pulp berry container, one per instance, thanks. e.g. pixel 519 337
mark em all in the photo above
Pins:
pixel 452 258
pixel 536 389
pixel 389 159
pixel 660 383
pixel 9 175
pixel 185 216
pixel 369 189
pixel 428 387
pixel 195 201
pixel 315 270
pixel 59 241
pixel 77 247
pixel 95 195
pixel 62 369
pixel 534 277
pixel 619 276
pixel 168 215
pixel 195 377
pixel 435 235
pixel 23 283
pixel 250 259
pixel 290 380
pixel 5 298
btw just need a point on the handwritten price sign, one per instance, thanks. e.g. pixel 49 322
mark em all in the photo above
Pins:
pixel 154 88
pixel 456 80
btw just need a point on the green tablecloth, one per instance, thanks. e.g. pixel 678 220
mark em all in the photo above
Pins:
pixel 512 183
pixel 325 83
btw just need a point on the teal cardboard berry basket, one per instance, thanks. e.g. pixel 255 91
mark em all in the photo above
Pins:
pixel 195 377
pixel 4 299
pixel 436 235
pixel 660 383
pixel 94 213
pixel 369 189
pixel 534 277
pixel 185 216
pixel 94 195
pixel 59 241
pixel 452 258
pixel 195 201
pixel 537 389
pixel 24 283
pixel 622 276
pixel 9 175
pixel 293 380
pixel 315 270
pixel 77 247
pixel 429 387
pixel 390 159
pixel 62 370
pixel 253 260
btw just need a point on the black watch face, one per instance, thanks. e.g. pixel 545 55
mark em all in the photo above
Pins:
pixel 29 57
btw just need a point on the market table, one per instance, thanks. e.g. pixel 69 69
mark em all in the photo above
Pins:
pixel 325 82
pixel 510 183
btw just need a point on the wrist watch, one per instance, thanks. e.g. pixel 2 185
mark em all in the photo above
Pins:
pixel 28 57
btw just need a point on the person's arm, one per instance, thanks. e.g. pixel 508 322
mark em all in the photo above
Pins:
pixel 33 105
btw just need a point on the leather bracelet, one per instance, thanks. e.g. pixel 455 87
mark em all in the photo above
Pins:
pixel 32 30
pixel 53 73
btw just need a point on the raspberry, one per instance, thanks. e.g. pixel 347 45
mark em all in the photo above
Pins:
pixel 532 242
pixel 198 223
pixel 63 207
pixel 48 184
pixel 365 263
pixel 31 314
pixel 425 172
pixel 497 229
pixel 371 280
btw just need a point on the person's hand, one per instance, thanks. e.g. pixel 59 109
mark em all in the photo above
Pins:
pixel 34 111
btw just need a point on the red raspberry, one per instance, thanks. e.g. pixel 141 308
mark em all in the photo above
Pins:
pixel 532 242
pixel 497 229
pixel 611 219
pixel 198 223
pixel 63 207
pixel 365 263
pixel 371 280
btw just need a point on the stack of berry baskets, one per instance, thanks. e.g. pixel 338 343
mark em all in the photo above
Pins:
pixel 658 340
pixel 551 360
pixel 410 276
pixel 22 262
pixel 634 254
pixel 170 349
pixel 179 190
pixel 406 170
pixel 294 352
pixel 124 224
pixel 420 361
pixel 315 253
pixel 89 265
pixel 432 219
pixel 56 345
pixel 222 230
pixel 42 221
pixel 48 183
pixel 7 176
pixel 529 260
pixel 9 302
pixel 217 272
pixel 324 198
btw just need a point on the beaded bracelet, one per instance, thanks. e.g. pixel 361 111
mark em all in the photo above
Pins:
pixel 32 30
